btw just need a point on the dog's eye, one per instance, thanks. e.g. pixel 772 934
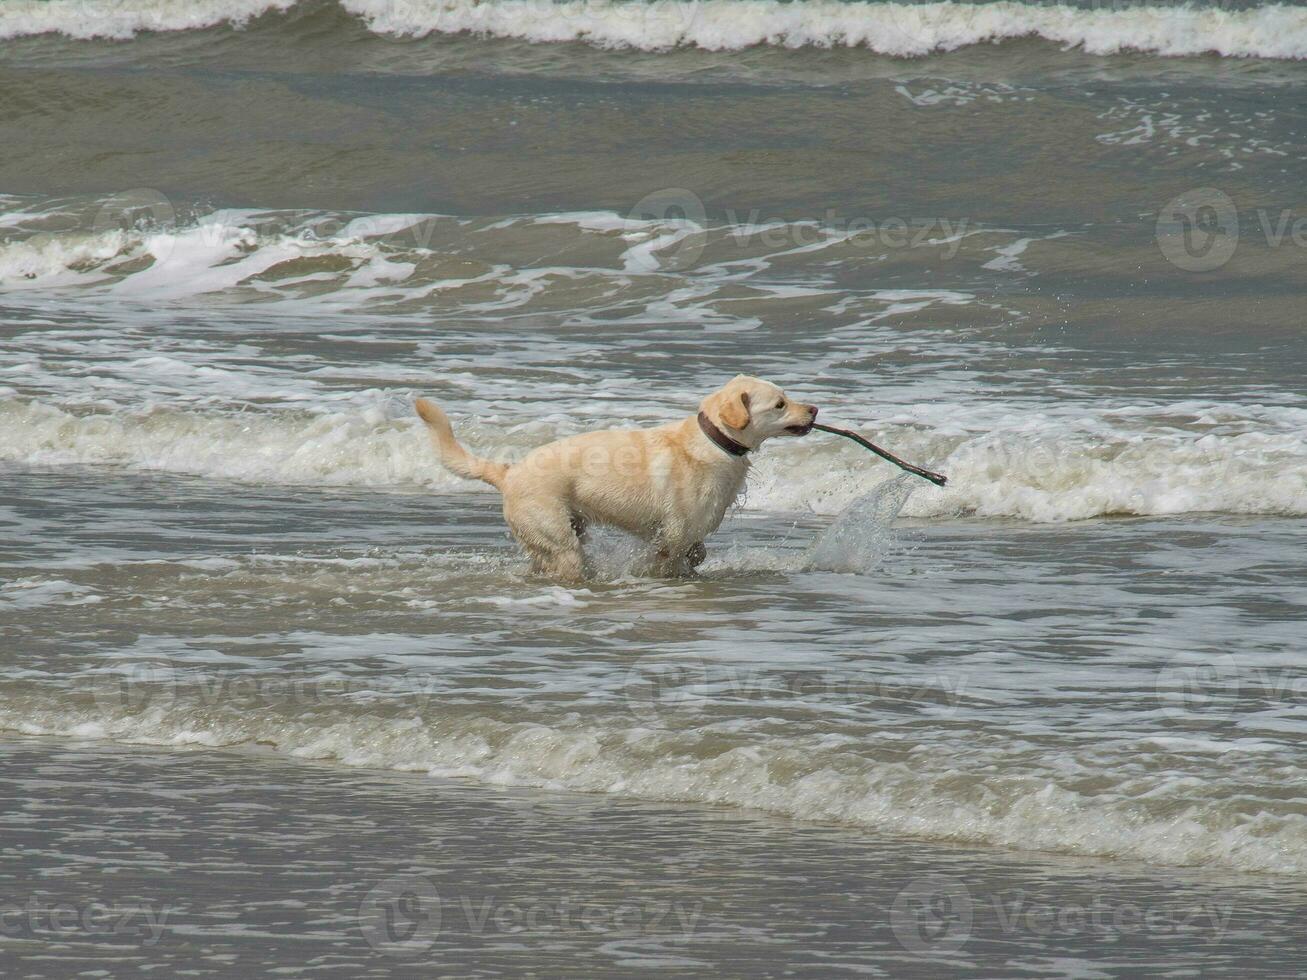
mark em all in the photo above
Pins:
pixel 781 403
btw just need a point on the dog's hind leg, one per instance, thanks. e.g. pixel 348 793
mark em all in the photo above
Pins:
pixel 545 529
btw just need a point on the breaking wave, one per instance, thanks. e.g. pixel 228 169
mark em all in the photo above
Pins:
pixel 949 798
pixel 1236 459
pixel 901 29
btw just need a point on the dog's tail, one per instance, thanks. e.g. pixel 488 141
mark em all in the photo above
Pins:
pixel 457 459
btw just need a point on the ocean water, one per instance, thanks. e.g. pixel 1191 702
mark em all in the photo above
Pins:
pixel 1056 252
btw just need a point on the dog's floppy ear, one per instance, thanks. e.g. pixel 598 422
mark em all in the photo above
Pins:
pixel 735 409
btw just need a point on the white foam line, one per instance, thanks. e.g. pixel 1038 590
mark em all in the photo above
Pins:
pixel 125 19
pixel 959 800
pixel 1035 467
pixel 904 29
pixel 1276 31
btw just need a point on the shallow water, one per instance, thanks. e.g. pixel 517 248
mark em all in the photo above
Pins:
pixel 136 858
pixel 1066 687
pixel 1064 269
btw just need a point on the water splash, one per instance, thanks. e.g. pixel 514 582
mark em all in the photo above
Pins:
pixel 859 537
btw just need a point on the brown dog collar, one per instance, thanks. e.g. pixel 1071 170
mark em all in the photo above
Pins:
pixel 720 438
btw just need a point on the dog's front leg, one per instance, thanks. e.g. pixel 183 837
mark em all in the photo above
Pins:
pixel 695 555
pixel 691 557
pixel 677 554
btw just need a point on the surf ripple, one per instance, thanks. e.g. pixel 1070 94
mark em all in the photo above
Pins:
pixel 957 795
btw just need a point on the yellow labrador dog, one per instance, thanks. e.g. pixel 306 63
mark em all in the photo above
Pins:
pixel 670 485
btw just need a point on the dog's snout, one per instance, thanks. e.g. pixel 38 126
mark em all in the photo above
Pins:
pixel 812 410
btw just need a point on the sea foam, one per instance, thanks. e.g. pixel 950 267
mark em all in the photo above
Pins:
pixel 85 19
pixel 901 29
pixel 1041 469
pixel 1276 31
pixel 934 797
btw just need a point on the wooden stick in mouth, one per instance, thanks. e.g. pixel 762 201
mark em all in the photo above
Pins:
pixel 936 478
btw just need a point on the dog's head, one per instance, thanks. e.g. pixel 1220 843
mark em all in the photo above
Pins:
pixel 750 410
